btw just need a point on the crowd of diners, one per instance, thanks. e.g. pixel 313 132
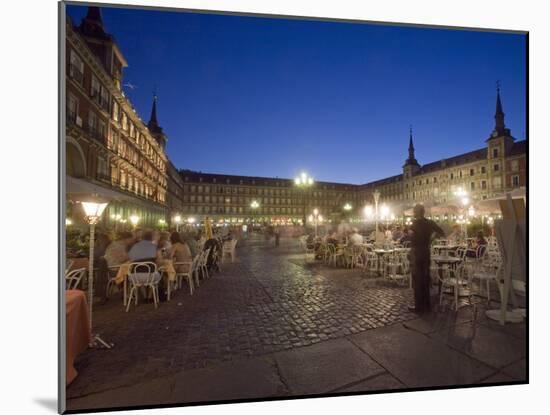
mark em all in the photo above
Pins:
pixel 148 245
pixel 395 235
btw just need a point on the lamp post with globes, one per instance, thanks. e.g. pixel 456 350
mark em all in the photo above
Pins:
pixel 177 220
pixel 462 195
pixel 92 213
pixel 304 182
pixel 378 214
pixel 316 218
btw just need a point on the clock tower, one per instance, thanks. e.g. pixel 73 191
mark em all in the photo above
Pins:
pixel 499 145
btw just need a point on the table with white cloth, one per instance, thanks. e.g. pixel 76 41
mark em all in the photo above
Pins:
pixel 78 334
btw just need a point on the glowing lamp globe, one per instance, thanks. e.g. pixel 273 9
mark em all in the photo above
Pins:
pixel 93 211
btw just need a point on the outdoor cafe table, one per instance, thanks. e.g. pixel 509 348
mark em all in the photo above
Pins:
pixel 452 261
pixel 446 248
pixel 381 253
pixel 78 329
pixel 166 267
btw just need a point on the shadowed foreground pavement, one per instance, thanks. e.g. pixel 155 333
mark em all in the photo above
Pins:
pixel 272 325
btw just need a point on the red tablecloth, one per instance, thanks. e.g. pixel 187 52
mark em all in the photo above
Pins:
pixel 78 328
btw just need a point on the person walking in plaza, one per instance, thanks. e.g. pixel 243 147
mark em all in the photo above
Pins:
pixel 277 235
pixel 422 232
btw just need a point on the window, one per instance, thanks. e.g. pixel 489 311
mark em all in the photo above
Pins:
pixel 472 172
pixel 483 184
pixel 515 181
pixel 514 165
pixel 495 152
pixel 92 121
pixel 76 68
pixel 115 110
pixel 435 179
pixel 452 175
pixel 483 170
pixel 496 167
pixel 95 88
pixel 72 110
pixel 472 186
pixel 102 130
pixel 104 101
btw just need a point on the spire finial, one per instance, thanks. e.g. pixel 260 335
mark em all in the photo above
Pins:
pixel 499 114
pixel 153 123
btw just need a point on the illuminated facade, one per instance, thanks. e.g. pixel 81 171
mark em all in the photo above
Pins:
pixel 491 171
pixel 109 149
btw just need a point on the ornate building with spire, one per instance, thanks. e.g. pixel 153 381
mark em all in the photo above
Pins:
pixel 488 172
pixel 110 151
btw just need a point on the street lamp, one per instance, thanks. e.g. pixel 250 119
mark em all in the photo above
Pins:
pixel 464 201
pixel 304 182
pixel 177 219
pixel 376 196
pixel 347 207
pixel 316 218
pixel 92 212
pixel 134 220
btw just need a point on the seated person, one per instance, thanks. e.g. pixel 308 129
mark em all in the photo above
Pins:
pixel 180 252
pixel 333 238
pixel 397 234
pixel 479 247
pixel 117 252
pixel 355 238
pixel 144 250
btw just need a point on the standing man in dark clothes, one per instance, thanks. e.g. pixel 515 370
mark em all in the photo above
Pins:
pixel 422 231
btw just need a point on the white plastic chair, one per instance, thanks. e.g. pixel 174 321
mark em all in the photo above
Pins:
pixel 68 265
pixel 202 263
pixel 229 248
pixel 73 278
pixel 143 274
pixel 454 279
pixel 487 273
pixel 191 275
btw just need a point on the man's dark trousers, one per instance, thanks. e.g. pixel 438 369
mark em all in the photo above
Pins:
pixel 421 281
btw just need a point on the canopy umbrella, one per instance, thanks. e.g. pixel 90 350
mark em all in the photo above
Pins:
pixel 491 206
pixel 207 228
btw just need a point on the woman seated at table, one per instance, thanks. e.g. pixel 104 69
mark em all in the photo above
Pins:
pixel 180 252
pixel 332 238
pixel 478 249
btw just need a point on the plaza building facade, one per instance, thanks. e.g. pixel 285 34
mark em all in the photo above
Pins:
pixel 489 172
pixel 110 151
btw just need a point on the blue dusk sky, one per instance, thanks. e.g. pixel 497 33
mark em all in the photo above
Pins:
pixel 274 97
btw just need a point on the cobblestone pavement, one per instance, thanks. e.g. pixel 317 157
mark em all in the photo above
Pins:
pixel 269 300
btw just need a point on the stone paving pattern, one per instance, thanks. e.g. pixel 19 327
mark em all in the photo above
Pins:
pixel 273 324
